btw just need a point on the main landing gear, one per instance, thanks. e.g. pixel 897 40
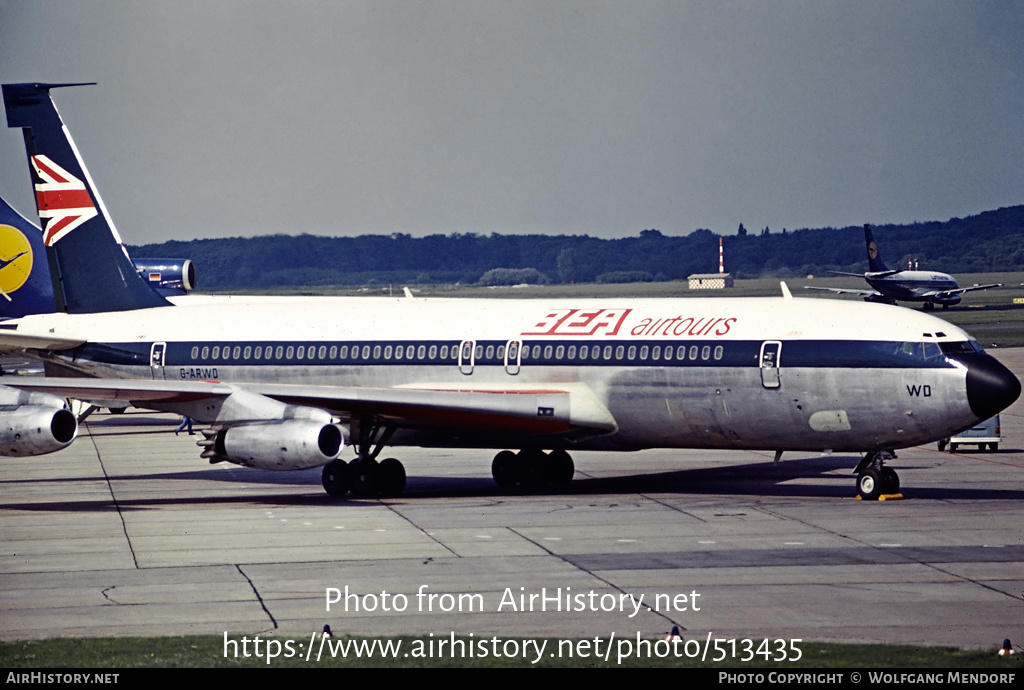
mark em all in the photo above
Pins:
pixel 532 469
pixel 874 478
pixel 365 476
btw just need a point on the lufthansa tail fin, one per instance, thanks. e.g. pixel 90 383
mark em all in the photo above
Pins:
pixel 875 263
pixel 25 286
pixel 89 265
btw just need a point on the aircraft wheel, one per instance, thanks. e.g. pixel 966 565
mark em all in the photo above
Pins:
pixel 391 473
pixel 562 469
pixel 534 471
pixel 869 484
pixel 952 447
pixel 365 477
pixel 942 444
pixel 337 478
pixel 993 447
pixel 505 469
pixel 890 481
pixel 116 410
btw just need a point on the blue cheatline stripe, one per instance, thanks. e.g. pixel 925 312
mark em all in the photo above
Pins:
pixel 847 354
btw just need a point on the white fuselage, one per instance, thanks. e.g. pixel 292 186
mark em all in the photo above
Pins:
pixel 766 373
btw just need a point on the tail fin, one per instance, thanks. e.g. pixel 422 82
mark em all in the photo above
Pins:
pixel 90 268
pixel 875 263
pixel 25 286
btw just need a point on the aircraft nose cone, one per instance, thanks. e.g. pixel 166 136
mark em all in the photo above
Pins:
pixel 991 387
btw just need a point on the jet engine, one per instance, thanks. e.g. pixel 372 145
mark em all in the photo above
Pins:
pixel 293 444
pixel 947 300
pixel 33 423
pixel 169 277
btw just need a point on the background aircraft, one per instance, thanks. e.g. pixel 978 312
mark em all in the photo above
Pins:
pixel 895 284
pixel 26 286
pixel 283 384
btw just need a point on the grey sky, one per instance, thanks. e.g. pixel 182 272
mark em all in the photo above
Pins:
pixel 218 118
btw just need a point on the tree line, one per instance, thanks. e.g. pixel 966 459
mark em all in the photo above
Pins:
pixel 990 241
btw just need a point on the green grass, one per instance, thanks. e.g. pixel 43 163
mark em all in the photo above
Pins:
pixel 208 652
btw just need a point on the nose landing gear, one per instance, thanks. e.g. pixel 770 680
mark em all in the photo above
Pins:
pixel 874 479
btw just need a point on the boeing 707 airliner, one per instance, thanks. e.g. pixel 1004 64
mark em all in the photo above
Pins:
pixel 288 384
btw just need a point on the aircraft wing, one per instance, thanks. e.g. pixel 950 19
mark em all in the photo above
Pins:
pixel 12 341
pixel 844 291
pixel 960 291
pixel 569 409
pixel 872 274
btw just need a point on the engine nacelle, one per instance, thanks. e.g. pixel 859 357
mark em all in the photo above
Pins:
pixel 948 300
pixel 294 444
pixel 169 277
pixel 35 430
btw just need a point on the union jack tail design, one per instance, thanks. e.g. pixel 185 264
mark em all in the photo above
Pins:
pixel 62 199
pixel 93 271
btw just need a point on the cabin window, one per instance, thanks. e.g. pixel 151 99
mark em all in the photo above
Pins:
pixel 718 352
pixel 444 352
pixel 206 352
pixel 656 353
pixel 387 352
pixel 693 352
pixel 216 353
pixel 681 352
pixel 490 352
pixel 500 353
pixel 584 349
pixel 334 352
pixel 342 352
pixel 279 352
pixel 376 351
pixel 432 353
pixel 548 351
pixel 571 354
pixel 290 352
pixel 620 351
pixel 258 352
pixel 643 352
pixel 300 352
pixel 607 352
pixel 560 352
pixel 705 352
pixel 322 352
pixel 421 352
pixel 631 355
pixel 668 353
pixel 247 352
pixel 366 352
pixel 226 352
pixel 195 352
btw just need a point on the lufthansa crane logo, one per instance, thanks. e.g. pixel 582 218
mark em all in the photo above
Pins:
pixel 15 258
pixel 872 251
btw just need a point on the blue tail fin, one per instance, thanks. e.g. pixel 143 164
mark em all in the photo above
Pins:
pixel 875 263
pixel 25 286
pixel 90 267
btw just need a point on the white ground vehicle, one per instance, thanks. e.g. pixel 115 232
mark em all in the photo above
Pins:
pixel 984 434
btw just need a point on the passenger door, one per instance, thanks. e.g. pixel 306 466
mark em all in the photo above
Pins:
pixel 770 351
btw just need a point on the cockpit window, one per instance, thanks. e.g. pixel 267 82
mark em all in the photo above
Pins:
pixel 961 347
pixel 910 350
